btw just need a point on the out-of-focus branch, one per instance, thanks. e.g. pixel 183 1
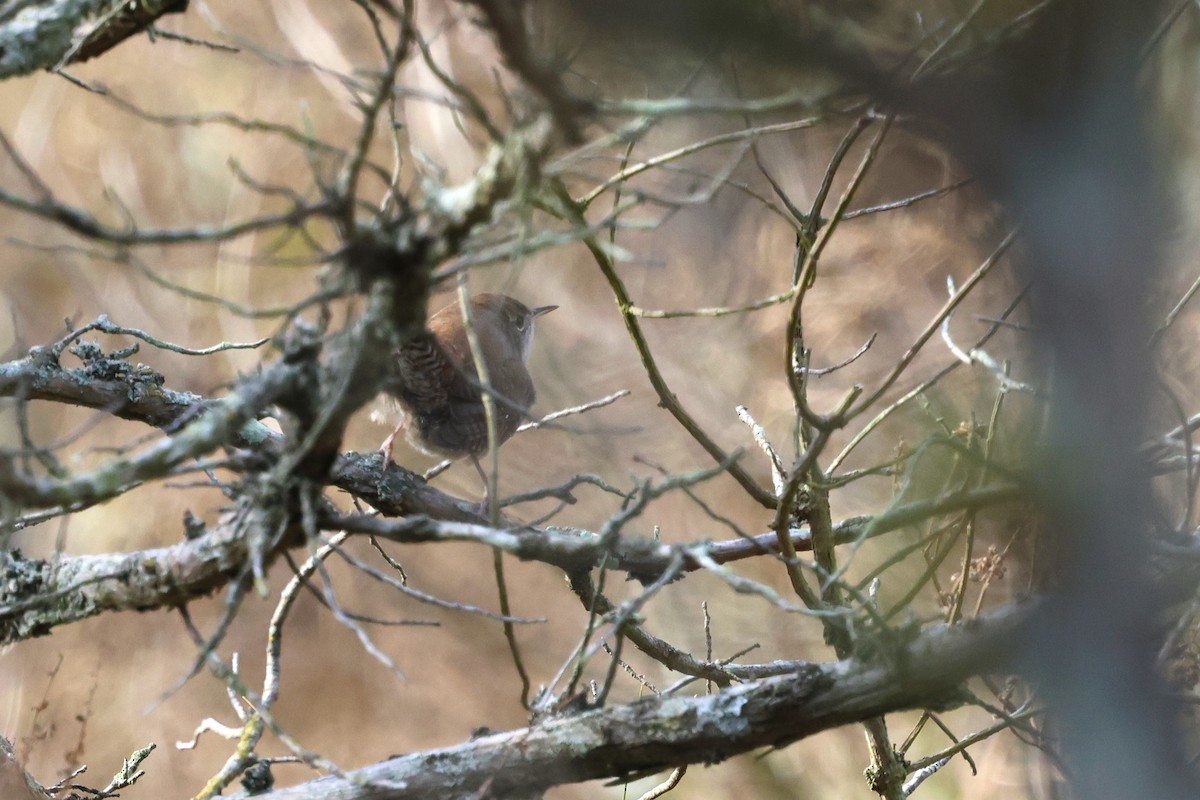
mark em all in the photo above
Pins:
pixel 506 21
pixel 86 225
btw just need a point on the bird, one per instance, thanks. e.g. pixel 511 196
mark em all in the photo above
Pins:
pixel 434 380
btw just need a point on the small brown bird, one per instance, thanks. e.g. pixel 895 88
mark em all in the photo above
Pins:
pixel 438 387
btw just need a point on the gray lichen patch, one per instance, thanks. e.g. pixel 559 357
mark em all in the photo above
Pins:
pixel 22 581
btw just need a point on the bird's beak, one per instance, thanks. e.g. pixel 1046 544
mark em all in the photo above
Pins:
pixel 537 312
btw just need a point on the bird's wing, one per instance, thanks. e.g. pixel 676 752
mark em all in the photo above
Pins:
pixel 424 373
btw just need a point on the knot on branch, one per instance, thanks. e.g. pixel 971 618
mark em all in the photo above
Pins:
pixel 258 779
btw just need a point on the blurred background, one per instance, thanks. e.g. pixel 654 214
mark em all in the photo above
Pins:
pixel 92 692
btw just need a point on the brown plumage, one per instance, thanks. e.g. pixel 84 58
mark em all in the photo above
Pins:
pixel 438 388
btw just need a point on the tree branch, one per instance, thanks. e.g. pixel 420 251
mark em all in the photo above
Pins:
pixel 658 733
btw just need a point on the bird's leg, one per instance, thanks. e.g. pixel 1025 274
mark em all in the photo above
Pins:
pixel 485 505
pixel 487 494
pixel 385 449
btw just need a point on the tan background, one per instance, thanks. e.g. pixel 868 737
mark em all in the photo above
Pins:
pixel 90 693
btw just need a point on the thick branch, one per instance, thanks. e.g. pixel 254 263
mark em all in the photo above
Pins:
pixel 133 395
pixel 219 423
pixel 38 34
pixel 36 597
pixel 658 733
